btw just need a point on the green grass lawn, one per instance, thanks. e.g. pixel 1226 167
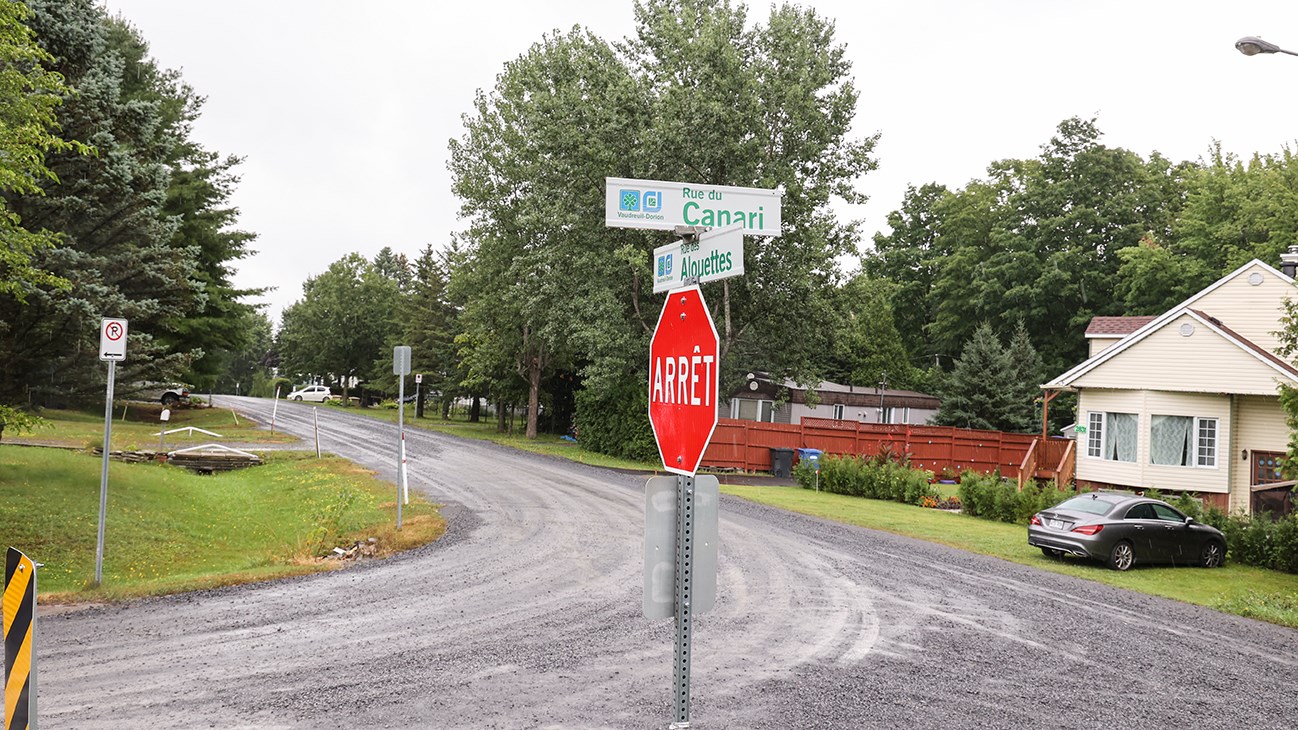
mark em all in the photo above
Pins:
pixel 139 429
pixel 170 530
pixel 1238 589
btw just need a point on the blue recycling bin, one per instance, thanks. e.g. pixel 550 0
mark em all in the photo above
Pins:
pixel 811 455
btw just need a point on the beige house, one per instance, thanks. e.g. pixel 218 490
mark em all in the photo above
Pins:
pixel 1187 400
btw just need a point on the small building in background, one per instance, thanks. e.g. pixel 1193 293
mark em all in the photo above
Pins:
pixel 757 398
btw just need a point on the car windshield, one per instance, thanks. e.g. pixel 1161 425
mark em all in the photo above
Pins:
pixel 1089 505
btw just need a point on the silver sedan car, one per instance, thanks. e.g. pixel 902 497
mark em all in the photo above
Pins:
pixel 1123 529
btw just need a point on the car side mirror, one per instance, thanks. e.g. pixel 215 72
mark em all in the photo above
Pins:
pixel 1189 521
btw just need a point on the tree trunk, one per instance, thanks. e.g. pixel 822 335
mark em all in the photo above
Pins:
pixel 533 396
pixel 475 410
pixel 502 424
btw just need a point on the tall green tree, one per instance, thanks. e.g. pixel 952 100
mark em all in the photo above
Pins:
pixel 763 105
pixel 909 255
pixel 341 326
pixel 29 96
pixel 697 94
pixel 538 261
pixel 429 325
pixel 142 224
pixel 866 346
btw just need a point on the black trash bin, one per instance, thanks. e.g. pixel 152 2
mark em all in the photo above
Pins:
pixel 782 462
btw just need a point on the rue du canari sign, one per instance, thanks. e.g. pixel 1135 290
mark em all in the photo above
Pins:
pixel 660 205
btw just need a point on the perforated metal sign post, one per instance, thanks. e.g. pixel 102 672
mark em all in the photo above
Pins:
pixel 401 368
pixel 20 641
pixel 112 349
pixel 680 552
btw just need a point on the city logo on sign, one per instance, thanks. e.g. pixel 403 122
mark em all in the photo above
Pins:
pixel 665 265
pixel 635 201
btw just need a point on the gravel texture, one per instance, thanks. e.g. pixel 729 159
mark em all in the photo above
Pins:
pixel 527 615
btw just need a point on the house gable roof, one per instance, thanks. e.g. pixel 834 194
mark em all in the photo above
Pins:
pixel 1067 379
pixel 1192 352
pixel 1115 326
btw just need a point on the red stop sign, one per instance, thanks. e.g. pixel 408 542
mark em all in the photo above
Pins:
pixel 683 380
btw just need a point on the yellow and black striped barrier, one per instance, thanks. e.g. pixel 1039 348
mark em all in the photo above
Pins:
pixel 19 635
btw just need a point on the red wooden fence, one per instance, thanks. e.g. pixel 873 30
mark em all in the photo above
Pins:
pixel 747 445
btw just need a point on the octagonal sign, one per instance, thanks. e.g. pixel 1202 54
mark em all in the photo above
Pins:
pixel 683 380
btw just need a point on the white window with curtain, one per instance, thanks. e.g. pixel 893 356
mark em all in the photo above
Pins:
pixel 896 414
pixel 1118 437
pixel 752 410
pixel 1170 440
pixel 1182 441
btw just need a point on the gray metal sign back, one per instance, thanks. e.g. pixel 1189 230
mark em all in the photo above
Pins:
pixel 660 545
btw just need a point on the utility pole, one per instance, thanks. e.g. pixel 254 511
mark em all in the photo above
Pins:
pixel 883 385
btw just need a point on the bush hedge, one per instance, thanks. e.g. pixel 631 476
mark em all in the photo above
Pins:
pixel 880 477
pixel 1256 540
pixel 992 497
pixel 617 424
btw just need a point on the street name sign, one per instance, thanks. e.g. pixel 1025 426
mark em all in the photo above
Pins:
pixel 661 205
pixel 717 254
pixel 683 380
pixel 112 339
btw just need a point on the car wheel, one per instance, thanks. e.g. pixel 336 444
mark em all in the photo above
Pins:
pixel 169 400
pixel 298 398
pixel 1052 553
pixel 1213 555
pixel 1122 556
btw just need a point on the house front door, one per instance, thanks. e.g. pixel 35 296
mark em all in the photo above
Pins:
pixel 1266 467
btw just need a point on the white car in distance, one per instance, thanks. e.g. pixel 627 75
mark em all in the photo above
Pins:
pixel 317 393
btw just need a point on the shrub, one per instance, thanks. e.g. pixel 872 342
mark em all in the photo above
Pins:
pixel 617 423
pixel 994 498
pixel 874 478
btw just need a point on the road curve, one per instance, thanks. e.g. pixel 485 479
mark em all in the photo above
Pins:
pixel 527 615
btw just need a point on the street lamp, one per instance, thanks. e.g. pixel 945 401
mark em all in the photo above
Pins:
pixel 1252 45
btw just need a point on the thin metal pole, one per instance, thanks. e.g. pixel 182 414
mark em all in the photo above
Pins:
pixel 103 474
pixel 315 419
pixel 684 591
pixel 31 675
pixel 401 437
pixel 274 410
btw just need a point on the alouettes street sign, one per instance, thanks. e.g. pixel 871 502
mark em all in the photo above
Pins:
pixel 683 380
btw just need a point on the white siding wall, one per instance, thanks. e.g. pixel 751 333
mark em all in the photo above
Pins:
pixel 1203 362
pixel 1144 404
pixel 1252 311
pixel 1100 344
pixel 1261 428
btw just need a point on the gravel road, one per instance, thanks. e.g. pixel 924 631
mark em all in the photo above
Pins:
pixel 527 615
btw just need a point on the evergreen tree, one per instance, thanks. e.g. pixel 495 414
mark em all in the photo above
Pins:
pixel 1027 374
pixel 982 390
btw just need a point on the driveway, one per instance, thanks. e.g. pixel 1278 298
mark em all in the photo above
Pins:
pixel 527 615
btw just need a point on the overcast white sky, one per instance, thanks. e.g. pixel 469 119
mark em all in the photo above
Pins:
pixel 343 110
